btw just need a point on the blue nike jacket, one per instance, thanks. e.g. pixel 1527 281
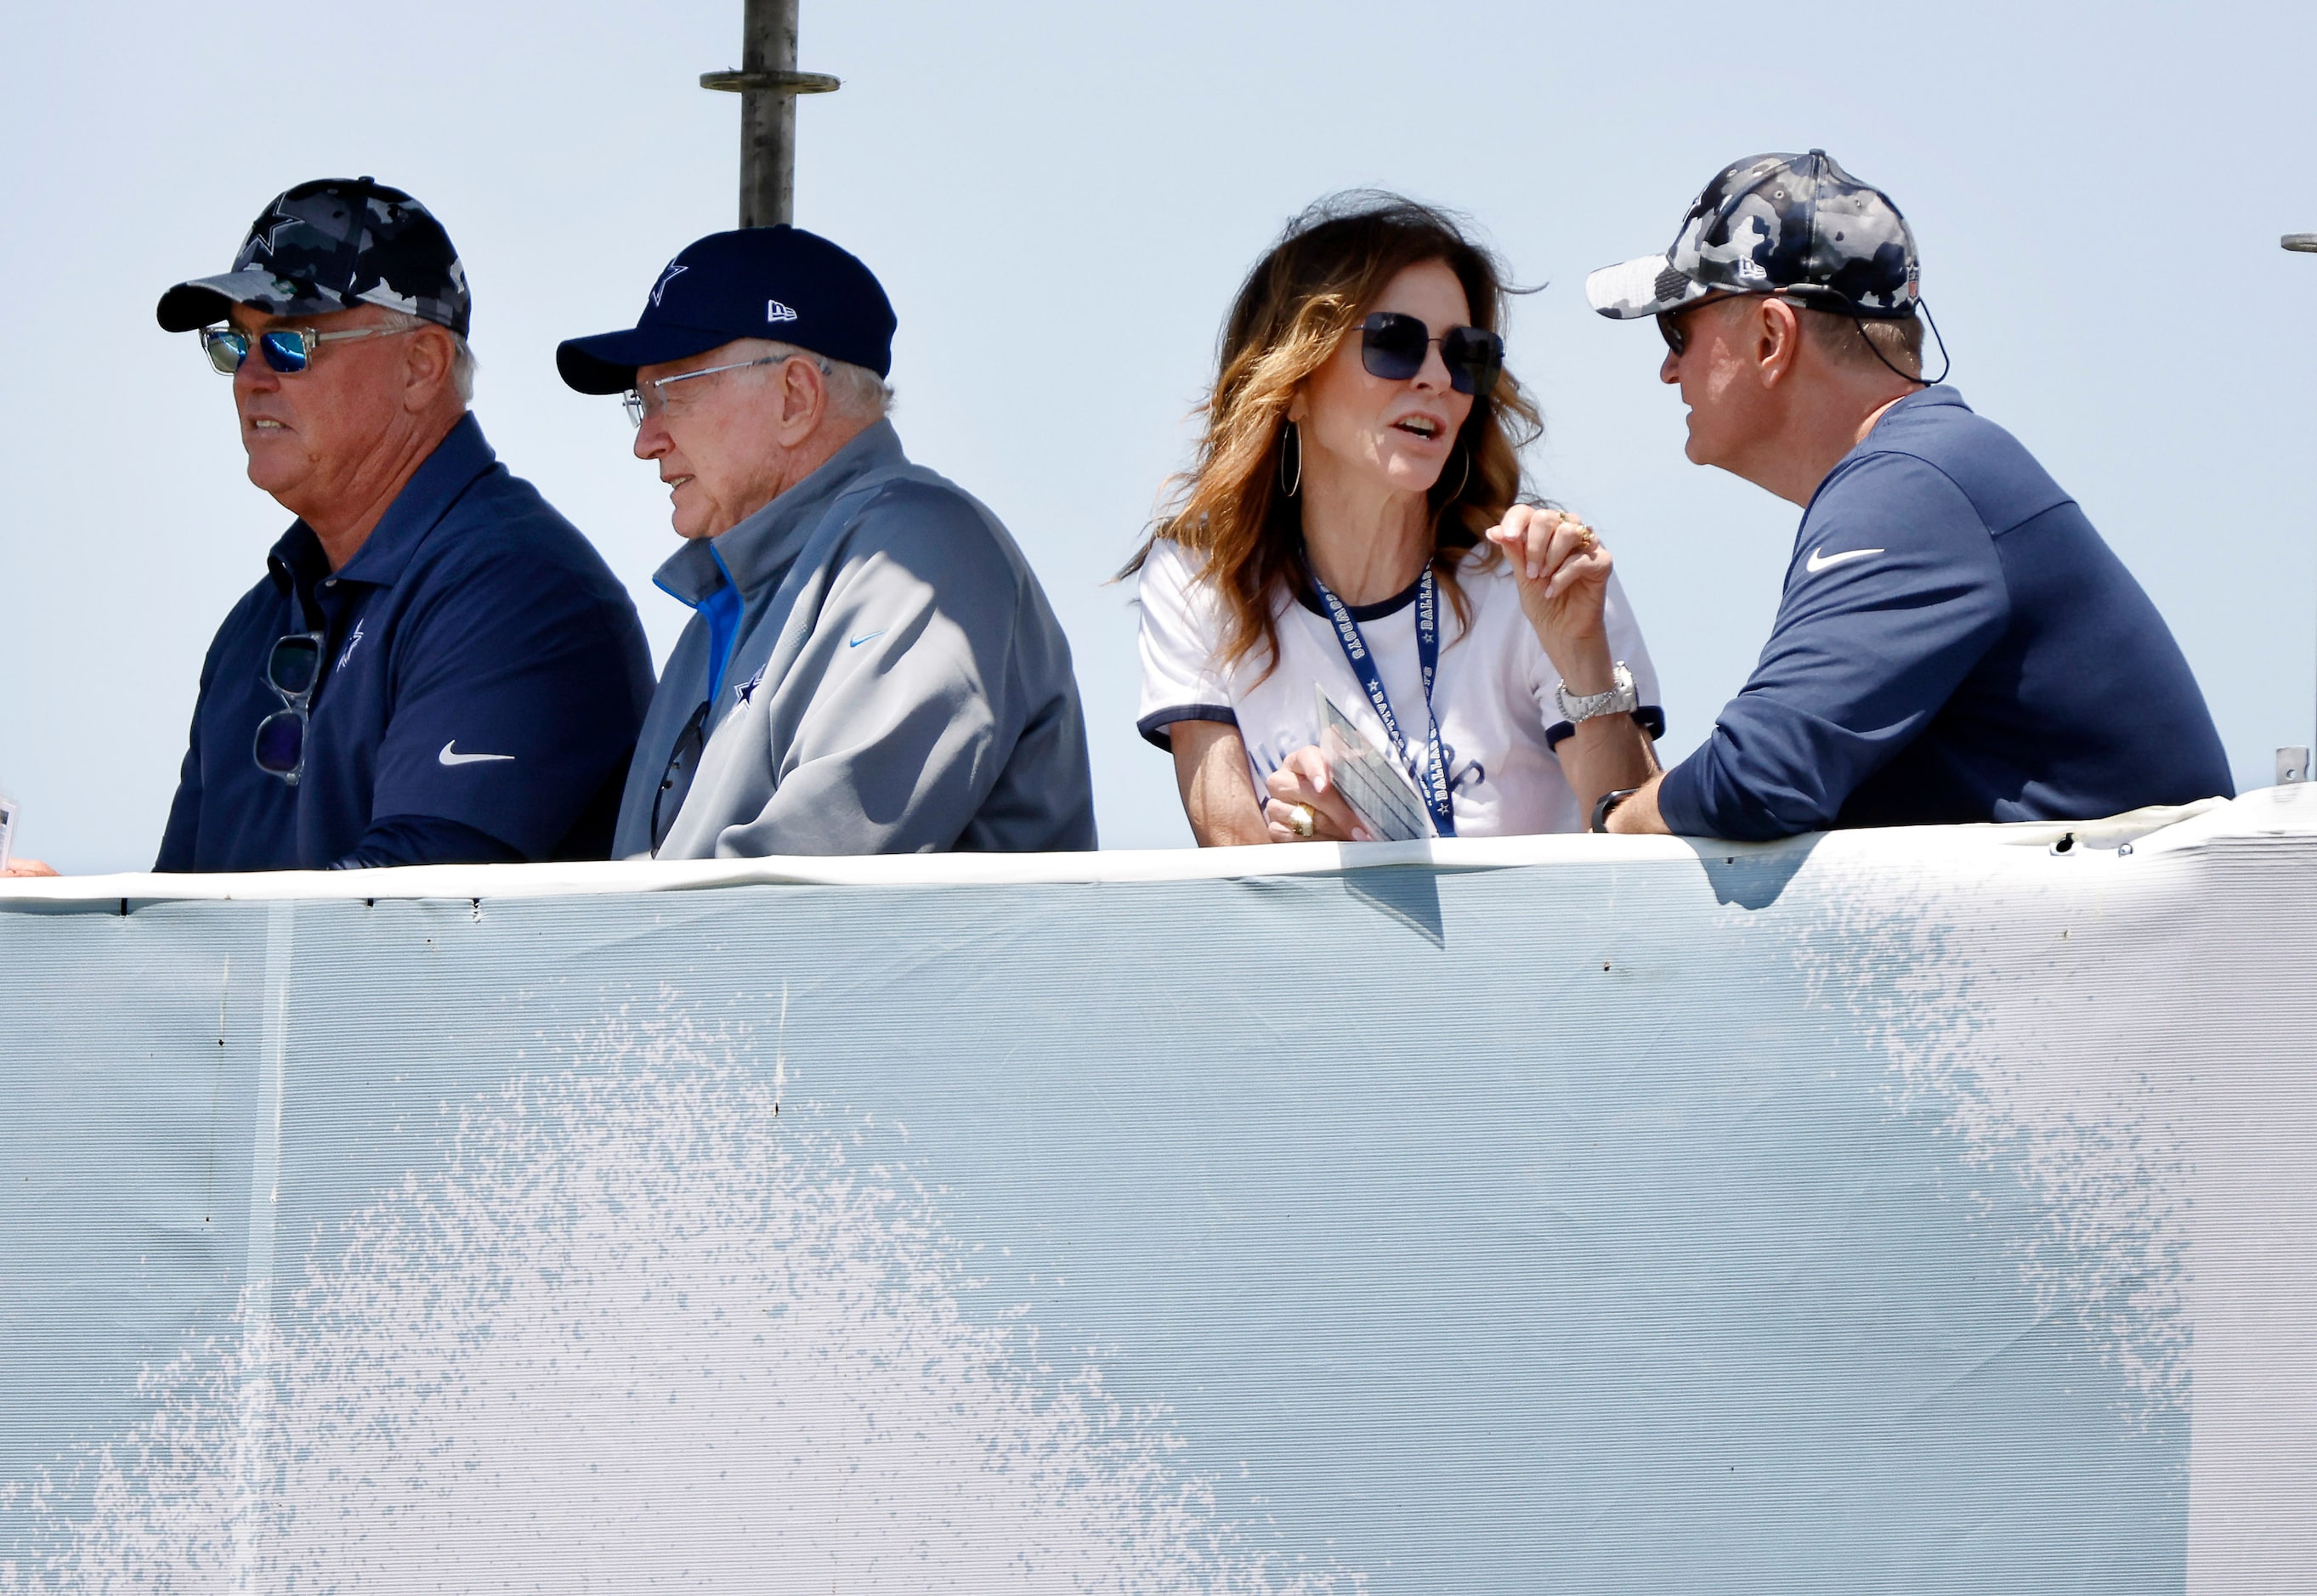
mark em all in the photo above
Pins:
pixel 1956 643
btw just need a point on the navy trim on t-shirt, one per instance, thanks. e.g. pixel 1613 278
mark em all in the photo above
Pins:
pixel 1375 611
pixel 1153 725
pixel 1649 718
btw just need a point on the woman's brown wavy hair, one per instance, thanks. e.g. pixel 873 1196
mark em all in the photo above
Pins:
pixel 1303 299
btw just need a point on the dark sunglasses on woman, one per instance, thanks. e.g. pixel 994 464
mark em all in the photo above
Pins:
pixel 1393 344
pixel 288 350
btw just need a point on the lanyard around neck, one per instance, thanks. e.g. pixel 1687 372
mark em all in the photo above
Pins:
pixel 1355 646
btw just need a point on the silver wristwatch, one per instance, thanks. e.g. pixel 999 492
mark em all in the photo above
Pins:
pixel 1619 699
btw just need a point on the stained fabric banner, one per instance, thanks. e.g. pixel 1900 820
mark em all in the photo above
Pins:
pixel 1890 1211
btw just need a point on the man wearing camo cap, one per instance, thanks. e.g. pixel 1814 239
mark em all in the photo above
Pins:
pixel 435 667
pixel 1956 642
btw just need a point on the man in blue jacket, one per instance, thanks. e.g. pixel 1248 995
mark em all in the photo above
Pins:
pixel 1956 642
pixel 436 667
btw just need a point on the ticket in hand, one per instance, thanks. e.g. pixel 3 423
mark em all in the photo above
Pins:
pixel 1375 788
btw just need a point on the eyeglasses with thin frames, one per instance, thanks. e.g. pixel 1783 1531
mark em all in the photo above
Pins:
pixel 650 397
pixel 288 350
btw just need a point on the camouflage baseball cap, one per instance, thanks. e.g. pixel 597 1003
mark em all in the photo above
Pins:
pixel 306 255
pixel 1795 224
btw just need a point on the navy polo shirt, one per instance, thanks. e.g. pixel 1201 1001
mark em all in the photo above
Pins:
pixel 484 679
pixel 1956 643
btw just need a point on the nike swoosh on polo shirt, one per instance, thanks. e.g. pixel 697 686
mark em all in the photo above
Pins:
pixel 449 755
pixel 1821 559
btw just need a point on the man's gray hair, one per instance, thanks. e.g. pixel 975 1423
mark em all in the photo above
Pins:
pixel 854 392
pixel 463 359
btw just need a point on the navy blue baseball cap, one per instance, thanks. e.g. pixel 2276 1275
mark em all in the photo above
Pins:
pixel 779 282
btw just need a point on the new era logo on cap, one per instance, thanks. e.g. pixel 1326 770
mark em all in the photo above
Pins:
pixel 777 311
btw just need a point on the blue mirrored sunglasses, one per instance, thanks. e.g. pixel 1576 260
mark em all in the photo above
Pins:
pixel 288 350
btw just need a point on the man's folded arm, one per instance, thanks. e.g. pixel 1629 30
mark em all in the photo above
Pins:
pixel 1866 650
pixel 425 839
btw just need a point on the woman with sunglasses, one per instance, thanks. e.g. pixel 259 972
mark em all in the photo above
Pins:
pixel 1344 535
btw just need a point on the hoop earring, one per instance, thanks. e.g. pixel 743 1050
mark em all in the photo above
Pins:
pixel 1462 482
pixel 1286 486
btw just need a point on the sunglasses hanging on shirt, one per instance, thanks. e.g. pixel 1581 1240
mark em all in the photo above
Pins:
pixel 291 670
pixel 1393 345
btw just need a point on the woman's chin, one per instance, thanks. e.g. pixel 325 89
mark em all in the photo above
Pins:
pixel 1417 475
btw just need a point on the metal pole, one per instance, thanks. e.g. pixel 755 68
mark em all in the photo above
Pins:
pixel 768 84
pixel 2300 243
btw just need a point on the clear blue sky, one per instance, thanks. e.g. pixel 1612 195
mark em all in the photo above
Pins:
pixel 1062 197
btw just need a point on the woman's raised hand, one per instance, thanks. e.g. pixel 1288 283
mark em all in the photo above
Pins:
pixel 1304 805
pixel 1563 573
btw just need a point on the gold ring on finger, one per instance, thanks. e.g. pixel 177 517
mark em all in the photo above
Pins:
pixel 1301 819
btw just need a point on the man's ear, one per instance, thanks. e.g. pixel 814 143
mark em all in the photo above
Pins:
pixel 804 397
pixel 427 366
pixel 1778 339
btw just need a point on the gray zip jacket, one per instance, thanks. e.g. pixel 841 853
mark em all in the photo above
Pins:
pixel 916 697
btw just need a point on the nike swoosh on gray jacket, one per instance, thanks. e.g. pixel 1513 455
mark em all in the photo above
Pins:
pixel 916 697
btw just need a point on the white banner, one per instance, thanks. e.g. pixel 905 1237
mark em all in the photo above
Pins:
pixel 1903 1211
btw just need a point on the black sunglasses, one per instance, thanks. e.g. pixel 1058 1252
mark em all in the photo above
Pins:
pixel 1669 322
pixel 1393 344
pixel 682 765
pixel 291 670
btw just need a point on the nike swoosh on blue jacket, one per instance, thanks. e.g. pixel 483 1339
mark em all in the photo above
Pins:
pixel 1995 661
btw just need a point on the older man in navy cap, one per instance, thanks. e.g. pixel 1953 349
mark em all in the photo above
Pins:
pixel 435 667
pixel 1956 642
pixel 871 667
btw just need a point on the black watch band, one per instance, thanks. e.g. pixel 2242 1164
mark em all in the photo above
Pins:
pixel 1609 800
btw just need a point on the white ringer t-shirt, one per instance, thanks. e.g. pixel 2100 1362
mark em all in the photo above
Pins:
pixel 1493 692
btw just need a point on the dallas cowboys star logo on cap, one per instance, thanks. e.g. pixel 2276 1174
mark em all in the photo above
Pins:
pixel 266 232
